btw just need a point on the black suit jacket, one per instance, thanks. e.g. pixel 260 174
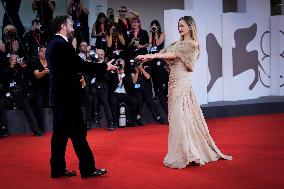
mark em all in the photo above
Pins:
pixel 65 67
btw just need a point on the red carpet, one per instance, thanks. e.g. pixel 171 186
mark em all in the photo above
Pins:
pixel 133 157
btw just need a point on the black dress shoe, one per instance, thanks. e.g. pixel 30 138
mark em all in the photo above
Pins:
pixel 37 133
pixel 110 128
pixel 66 173
pixel 162 121
pixel 3 131
pixel 97 172
pixel 140 122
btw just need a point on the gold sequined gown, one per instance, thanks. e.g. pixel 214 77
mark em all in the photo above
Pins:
pixel 189 139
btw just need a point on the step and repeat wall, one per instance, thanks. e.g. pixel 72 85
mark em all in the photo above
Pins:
pixel 242 54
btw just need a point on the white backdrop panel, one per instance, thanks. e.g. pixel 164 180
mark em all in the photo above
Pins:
pixel 245 42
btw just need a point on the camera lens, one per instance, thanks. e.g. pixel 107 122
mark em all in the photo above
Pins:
pixel 115 30
pixel 154 28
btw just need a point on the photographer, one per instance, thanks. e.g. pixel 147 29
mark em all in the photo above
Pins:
pixel 79 13
pixel 11 17
pixel 141 78
pixel 44 10
pixel 16 83
pixel 99 84
pixel 10 39
pixel 114 38
pixel 156 37
pixel 124 20
pixel 98 31
pixel 121 90
pixel 35 38
pixel 139 39
pixel 84 52
pixel 41 86
pixel 159 68
pixel 110 14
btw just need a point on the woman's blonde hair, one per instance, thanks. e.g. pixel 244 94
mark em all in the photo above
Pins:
pixel 191 23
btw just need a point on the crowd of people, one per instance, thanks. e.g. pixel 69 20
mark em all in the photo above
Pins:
pixel 119 38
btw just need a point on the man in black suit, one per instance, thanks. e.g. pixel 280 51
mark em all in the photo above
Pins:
pixel 65 67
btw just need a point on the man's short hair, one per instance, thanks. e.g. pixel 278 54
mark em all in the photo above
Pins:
pixel 102 50
pixel 42 46
pixel 83 41
pixel 57 22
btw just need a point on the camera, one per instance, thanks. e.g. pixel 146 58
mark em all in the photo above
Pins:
pixel 122 10
pixel 115 55
pixel 154 28
pixel 111 17
pixel 135 63
pixel 10 35
pixel 39 29
pixel 136 43
pixel 119 66
pixel 93 57
pixel 115 30
pixel 21 61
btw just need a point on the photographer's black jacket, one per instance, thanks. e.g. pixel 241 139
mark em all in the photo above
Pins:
pixel 65 67
pixel 21 77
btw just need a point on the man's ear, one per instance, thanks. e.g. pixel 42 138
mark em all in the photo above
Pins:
pixel 62 26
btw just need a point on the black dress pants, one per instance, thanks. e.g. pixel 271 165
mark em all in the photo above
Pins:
pixel 3 118
pixel 146 95
pixel 102 94
pixel 24 104
pixel 68 123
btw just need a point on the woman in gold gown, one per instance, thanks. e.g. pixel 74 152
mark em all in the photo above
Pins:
pixel 189 140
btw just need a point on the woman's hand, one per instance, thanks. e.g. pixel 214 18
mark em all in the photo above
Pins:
pixel 145 57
